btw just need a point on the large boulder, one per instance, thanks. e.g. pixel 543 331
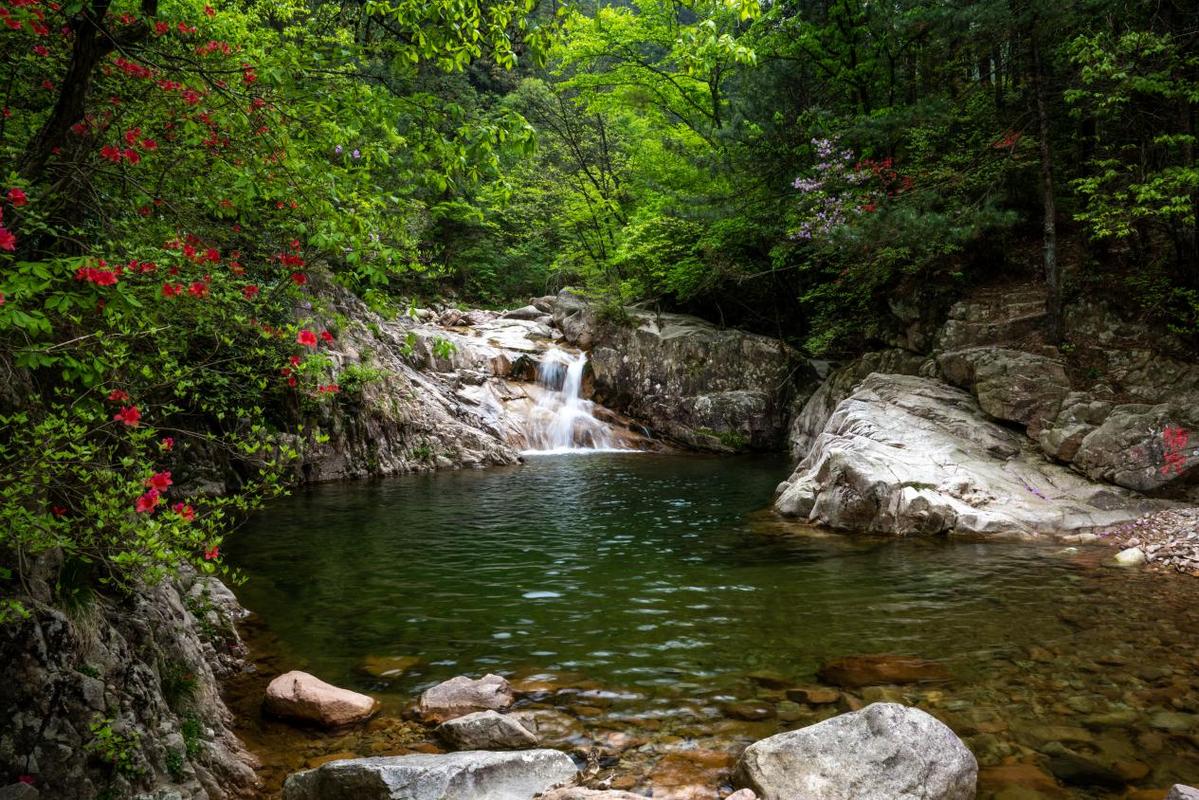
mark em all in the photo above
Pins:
pixel 469 775
pixel 911 455
pixel 687 379
pixel 305 698
pixel 1011 385
pixel 883 752
pixel 1149 448
pixel 460 696
pixel 486 730
pixel 810 416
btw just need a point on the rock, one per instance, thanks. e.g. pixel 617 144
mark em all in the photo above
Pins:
pixel 460 696
pixel 1131 557
pixel 1132 449
pixel 1010 385
pixel 883 752
pixel 299 696
pixel 1180 792
pixel 524 312
pixel 389 666
pixel 690 774
pixel 552 728
pixel 814 695
pixel 909 455
pixel 810 417
pixel 1025 776
pixel 1173 721
pixel 19 791
pixel 742 794
pixel 580 793
pixel 1079 770
pixel 852 672
pixel 686 379
pixel 749 712
pixel 486 730
pixel 789 711
pixel 469 775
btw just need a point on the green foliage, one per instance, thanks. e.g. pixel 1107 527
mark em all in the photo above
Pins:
pixel 121 751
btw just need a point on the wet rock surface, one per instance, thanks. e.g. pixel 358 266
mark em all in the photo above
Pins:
pixel 470 775
pixel 486 730
pixel 305 698
pixel 882 752
pixel 460 696
pixel 1168 540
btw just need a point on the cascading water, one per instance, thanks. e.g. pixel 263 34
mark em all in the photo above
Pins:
pixel 562 421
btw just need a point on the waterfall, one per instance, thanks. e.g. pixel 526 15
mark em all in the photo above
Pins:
pixel 562 421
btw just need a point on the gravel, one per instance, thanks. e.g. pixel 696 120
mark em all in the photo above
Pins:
pixel 1169 539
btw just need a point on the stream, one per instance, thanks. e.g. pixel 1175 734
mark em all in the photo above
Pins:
pixel 650 594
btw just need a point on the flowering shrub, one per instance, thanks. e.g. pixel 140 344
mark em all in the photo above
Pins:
pixel 170 173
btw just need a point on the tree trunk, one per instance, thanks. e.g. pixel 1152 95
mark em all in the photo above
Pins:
pixel 1053 300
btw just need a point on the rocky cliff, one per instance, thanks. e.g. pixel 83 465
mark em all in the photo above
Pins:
pixel 1002 433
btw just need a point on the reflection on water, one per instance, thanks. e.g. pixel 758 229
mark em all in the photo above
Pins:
pixel 660 577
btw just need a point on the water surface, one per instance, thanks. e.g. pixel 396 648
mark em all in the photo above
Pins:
pixel 664 581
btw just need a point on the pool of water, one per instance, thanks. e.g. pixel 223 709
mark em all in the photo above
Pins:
pixel 660 591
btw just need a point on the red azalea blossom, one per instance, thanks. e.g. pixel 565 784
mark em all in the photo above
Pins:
pixel 129 415
pixel 2 299
pixel 26 779
pixel 291 381
pixel 132 156
pixel 299 278
pixel 111 153
pixel 58 511
pixel 295 361
pixel 212 553
pixel 7 240
pixel 167 443
pixel 184 510
pixel 146 503
pixel 17 197
pixel 326 337
pixel 306 338
pixel 41 50
pixel 198 289
pixel 118 396
pixel 331 388
pixel 172 289
pixel 250 291
pixel 161 27
pixel 159 481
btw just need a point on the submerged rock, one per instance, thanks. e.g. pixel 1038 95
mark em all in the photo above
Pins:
pixel 469 775
pixel 883 752
pixel 853 672
pixel 299 696
pixel 1180 792
pixel 1131 557
pixel 486 730
pixel 460 696
pixel 911 455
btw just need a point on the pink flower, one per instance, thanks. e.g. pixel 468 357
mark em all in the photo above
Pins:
pixel 129 415
pixel 146 503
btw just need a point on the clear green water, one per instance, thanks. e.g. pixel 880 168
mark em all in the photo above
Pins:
pixel 664 580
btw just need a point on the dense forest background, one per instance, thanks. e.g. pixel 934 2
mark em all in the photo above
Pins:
pixel 177 177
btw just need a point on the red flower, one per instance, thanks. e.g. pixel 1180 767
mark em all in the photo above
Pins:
pixel 146 503
pixel 41 50
pixel 172 289
pixel 27 779
pixel 295 361
pixel 129 415
pixel 118 396
pixel 132 156
pixel 291 381
pixel 212 254
pixel 212 553
pixel 58 511
pixel 306 338
pixel 149 144
pixel 249 291
pixel 2 299
pixel 7 240
pixel 132 135
pixel 331 388
pixel 159 481
pixel 209 11
pixel 198 289
pixel 167 443
pixel 184 510
pixel 299 278
pixel 17 197
pixel 161 27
